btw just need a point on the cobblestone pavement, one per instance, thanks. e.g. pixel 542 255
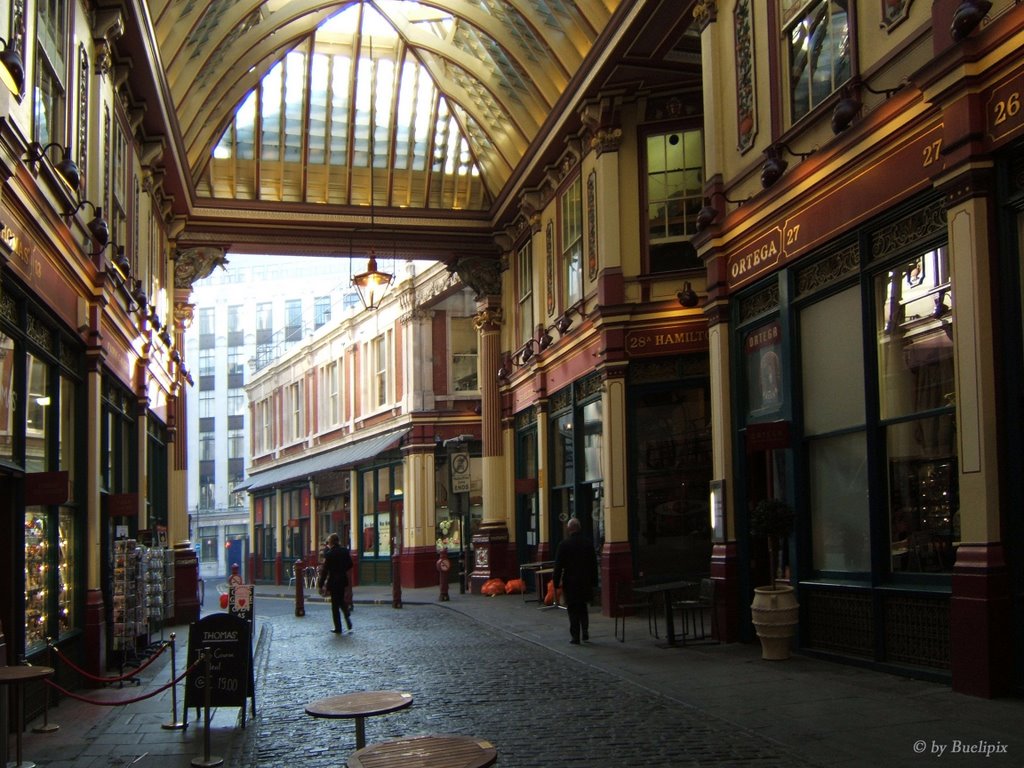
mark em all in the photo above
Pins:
pixel 538 707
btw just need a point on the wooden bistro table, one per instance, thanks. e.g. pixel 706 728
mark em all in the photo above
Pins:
pixel 426 752
pixel 665 590
pixel 358 706
pixel 17 676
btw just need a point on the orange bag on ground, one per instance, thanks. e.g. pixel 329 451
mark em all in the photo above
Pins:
pixel 515 587
pixel 493 587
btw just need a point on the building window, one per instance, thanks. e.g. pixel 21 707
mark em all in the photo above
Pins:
pixel 209 549
pixel 235 318
pixel 524 291
pixel 293 320
pixel 264 319
pixel 206 321
pixel 236 444
pixel 571 210
pixel 321 311
pixel 207 361
pixel 206 404
pixel 262 433
pixel 207 492
pixel 817 39
pixel 236 363
pixel 332 395
pixel 464 355
pixel 51 71
pixel 675 188
pixel 379 362
pixel 207 446
pixel 295 410
pixel 236 402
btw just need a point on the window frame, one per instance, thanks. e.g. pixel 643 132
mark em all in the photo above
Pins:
pixel 570 242
pixel 790 18
pixel 524 291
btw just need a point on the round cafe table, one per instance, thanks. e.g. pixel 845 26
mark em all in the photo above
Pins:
pixel 358 706
pixel 17 676
pixel 426 752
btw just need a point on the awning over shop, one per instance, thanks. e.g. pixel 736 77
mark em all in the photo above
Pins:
pixel 339 458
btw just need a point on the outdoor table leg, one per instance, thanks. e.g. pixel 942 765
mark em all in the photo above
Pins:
pixel 360 732
pixel 670 627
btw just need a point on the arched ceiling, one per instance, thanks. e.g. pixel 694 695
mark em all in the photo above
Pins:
pixel 469 81
pixel 297 120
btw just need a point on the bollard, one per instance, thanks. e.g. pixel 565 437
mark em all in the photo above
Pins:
pixel 207 760
pixel 174 724
pixel 300 589
pixel 47 726
pixel 443 566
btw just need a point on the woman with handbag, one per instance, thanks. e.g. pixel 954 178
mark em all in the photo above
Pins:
pixel 333 580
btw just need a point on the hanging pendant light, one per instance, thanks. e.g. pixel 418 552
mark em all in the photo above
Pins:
pixel 372 284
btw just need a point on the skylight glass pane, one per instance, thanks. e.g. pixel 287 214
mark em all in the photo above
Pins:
pixel 318 108
pixel 245 128
pixel 271 118
pixel 404 129
pixel 361 119
pixel 342 66
pixel 426 96
pixel 383 90
pixel 294 95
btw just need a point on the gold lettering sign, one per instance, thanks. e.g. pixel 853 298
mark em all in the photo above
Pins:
pixel 760 256
pixel 1003 108
pixel 664 341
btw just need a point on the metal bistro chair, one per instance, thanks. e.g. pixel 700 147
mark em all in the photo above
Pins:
pixel 693 610
pixel 627 602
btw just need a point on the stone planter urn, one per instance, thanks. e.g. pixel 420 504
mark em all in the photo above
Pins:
pixel 775 613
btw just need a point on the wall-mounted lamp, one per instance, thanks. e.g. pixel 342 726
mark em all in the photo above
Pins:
pixel 564 322
pixel 849 105
pixel 505 370
pixel 65 166
pixel 967 17
pixel 687 297
pixel 706 216
pixel 98 228
pixel 775 164
pixel 372 284
pixel 13 70
pixel 544 340
pixel 139 296
pixel 527 351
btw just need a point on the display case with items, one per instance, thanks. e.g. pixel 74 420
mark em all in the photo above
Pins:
pixel 168 585
pixel 36 572
pixel 152 564
pixel 129 614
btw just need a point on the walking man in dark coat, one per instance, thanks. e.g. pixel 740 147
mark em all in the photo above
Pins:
pixel 576 574
pixel 337 564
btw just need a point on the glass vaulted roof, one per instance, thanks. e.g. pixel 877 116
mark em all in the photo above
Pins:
pixel 413 104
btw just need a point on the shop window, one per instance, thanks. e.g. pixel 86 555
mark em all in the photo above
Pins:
pixel 464 355
pixel 524 292
pixel 675 187
pixel 571 210
pixel 816 37
pixel 37 411
pixel 208 544
pixel 832 367
pixel 917 398
pixel 7 398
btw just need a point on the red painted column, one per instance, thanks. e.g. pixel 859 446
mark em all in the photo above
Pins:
pixel 980 613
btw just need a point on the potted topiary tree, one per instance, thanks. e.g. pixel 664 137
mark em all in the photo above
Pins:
pixel 774 611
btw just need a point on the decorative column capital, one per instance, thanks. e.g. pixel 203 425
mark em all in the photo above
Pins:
pixel 704 13
pixel 489 318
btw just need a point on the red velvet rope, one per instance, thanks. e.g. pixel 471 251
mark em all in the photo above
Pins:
pixel 119 678
pixel 120 702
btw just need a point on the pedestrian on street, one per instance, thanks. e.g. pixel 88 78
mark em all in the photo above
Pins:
pixel 576 575
pixel 334 579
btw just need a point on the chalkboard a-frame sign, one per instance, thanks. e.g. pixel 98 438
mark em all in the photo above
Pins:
pixel 231 676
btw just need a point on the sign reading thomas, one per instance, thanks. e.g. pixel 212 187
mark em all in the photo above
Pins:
pixel 228 638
